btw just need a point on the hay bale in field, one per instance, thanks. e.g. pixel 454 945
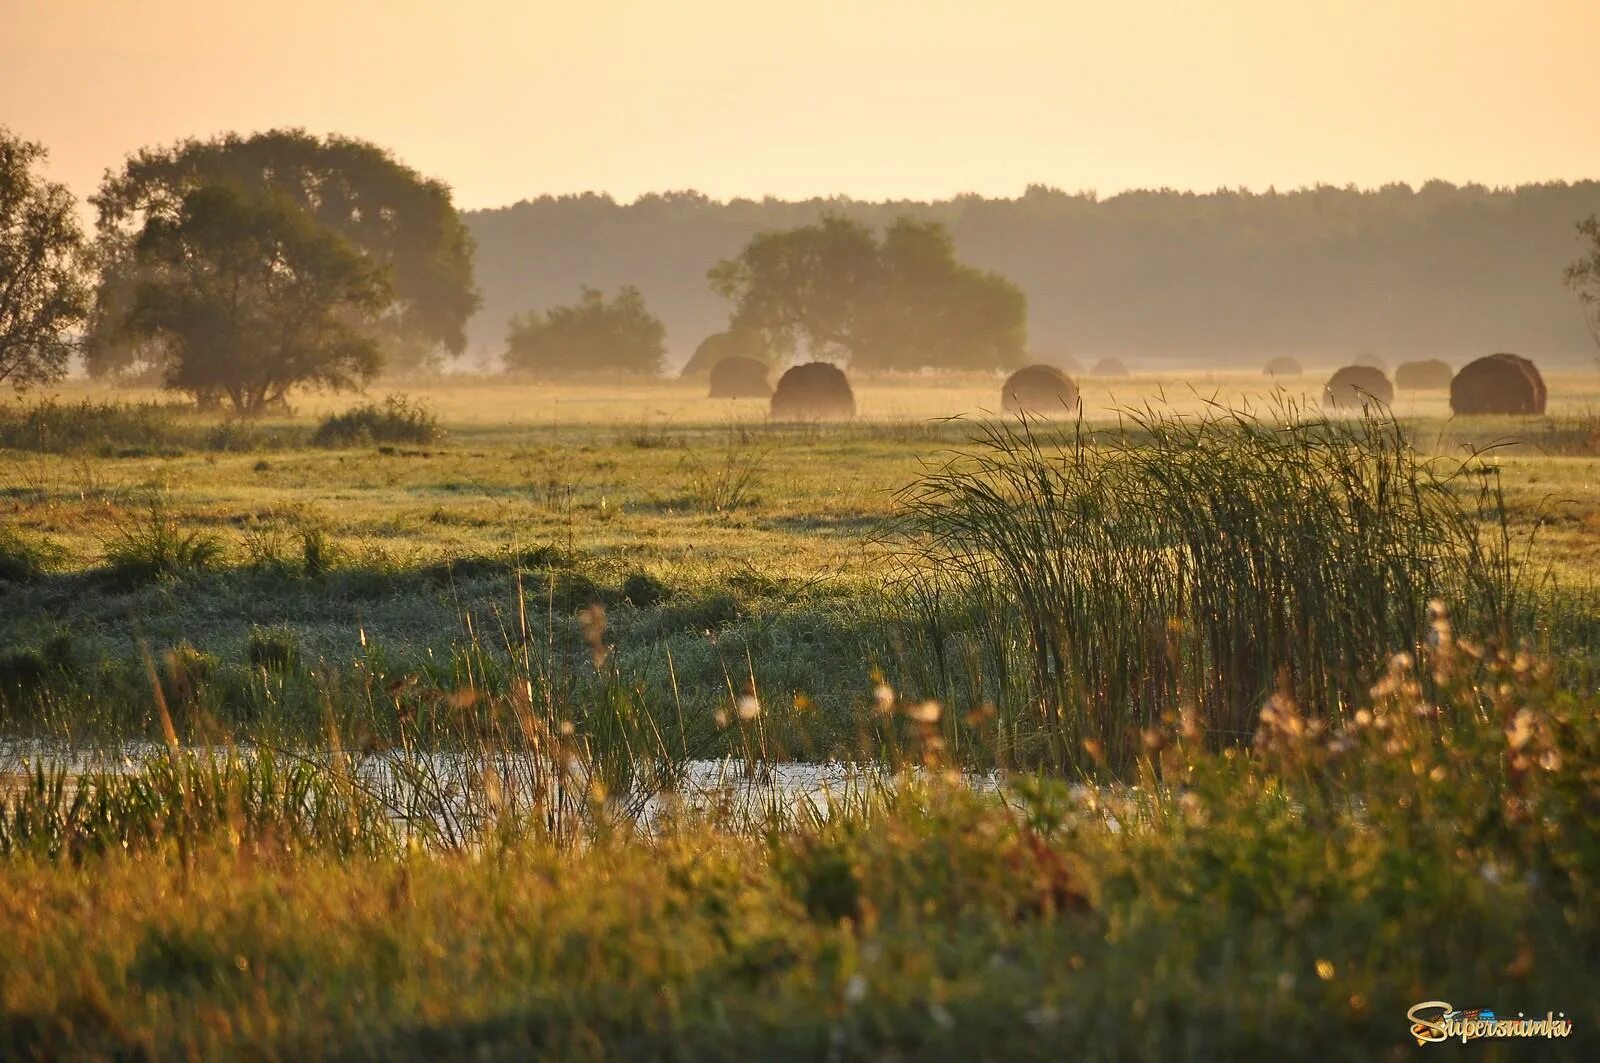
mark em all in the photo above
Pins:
pixel 816 391
pixel 735 343
pixel 1109 367
pixel 1041 389
pixel 1500 383
pixel 740 378
pixel 1371 361
pixel 1422 376
pixel 1284 366
pixel 1357 385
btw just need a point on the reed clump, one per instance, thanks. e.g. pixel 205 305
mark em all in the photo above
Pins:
pixel 1087 583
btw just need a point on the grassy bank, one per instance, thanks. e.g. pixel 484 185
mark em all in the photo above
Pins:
pixel 1293 899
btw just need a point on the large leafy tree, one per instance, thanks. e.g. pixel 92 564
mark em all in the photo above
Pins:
pixel 594 334
pixel 250 297
pixel 43 297
pixel 1583 276
pixel 401 220
pixel 902 301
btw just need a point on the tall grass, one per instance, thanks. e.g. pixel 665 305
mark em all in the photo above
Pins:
pixel 130 429
pixel 725 483
pixel 151 545
pixel 1089 583
pixel 186 798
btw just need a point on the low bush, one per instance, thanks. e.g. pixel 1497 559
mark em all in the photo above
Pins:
pixel 397 419
pixel 24 558
pixel 273 649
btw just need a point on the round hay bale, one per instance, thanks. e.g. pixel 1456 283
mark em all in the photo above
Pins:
pixel 1284 366
pixel 1372 361
pixel 1357 385
pixel 1500 383
pixel 1040 389
pixel 1423 376
pixel 816 391
pixel 740 378
pixel 1109 367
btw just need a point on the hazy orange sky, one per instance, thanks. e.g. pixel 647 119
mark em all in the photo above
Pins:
pixel 873 98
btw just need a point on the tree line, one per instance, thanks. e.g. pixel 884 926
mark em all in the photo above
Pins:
pixel 239 268
pixel 1222 278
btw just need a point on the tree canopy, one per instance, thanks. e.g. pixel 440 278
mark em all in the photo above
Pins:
pixel 1583 276
pixel 43 295
pixel 736 343
pixel 899 302
pixel 250 297
pixel 403 221
pixel 592 335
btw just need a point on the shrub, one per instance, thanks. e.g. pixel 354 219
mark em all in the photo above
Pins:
pixel 274 649
pixel 397 419
pixel 23 558
pixel 643 590
pixel 318 552
pixel 184 673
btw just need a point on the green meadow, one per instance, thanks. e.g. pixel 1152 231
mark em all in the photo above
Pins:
pixel 387 735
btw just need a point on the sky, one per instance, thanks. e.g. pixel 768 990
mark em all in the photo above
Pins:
pixel 878 99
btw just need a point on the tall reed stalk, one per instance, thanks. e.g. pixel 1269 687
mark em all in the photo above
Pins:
pixel 1088 582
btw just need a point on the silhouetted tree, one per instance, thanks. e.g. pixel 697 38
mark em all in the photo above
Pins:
pixel 1583 276
pixel 247 297
pixel 902 302
pixel 736 343
pixel 403 221
pixel 43 296
pixel 594 334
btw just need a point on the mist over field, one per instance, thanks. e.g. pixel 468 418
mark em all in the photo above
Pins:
pixel 457 603
pixel 1163 278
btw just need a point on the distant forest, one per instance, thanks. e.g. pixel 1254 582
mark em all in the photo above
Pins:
pixel 1157 278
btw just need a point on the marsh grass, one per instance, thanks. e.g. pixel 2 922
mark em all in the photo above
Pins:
pixel 185 799
pixel 151 544
pixel 726 481
pixel 1085 581
pixel 262 902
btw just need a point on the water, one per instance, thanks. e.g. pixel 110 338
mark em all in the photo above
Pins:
pixel 451 793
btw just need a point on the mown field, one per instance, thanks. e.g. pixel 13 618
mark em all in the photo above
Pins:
pixel 613 584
